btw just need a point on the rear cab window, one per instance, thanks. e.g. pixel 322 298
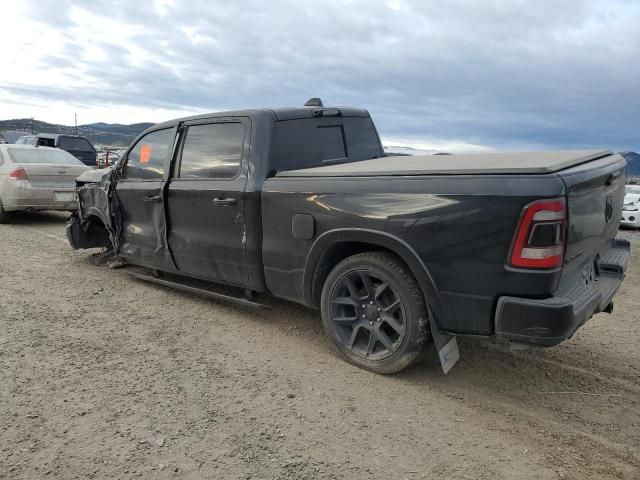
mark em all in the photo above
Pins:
pixel 46 142
pixel 313 142
pixel 361 138
pixel 146 161
pixel 74 143
pixel 212 151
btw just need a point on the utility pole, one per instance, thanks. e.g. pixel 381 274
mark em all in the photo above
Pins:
pixel 76 117
pixel 31 125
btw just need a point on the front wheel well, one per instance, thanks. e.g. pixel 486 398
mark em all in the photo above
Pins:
pixel 333 256
pixel 91 233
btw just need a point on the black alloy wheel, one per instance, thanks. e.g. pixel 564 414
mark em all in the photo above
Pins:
pixel 368 315
pixel 373 312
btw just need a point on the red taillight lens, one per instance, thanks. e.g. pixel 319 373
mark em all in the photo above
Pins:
pixel 540 237
pixel 18 174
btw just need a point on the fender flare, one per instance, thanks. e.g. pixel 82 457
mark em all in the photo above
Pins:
pixel 375 238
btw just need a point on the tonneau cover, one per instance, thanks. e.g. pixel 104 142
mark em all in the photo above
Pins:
pixel 473 164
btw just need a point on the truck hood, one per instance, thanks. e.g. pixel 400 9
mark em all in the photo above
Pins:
pixel 93 175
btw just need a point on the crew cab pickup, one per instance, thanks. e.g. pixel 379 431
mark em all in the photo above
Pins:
pixel 394 251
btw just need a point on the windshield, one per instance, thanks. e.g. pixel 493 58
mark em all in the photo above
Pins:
pixel 42 155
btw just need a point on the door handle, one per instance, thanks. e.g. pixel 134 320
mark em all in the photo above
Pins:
pixel 224 202
pixel 152 198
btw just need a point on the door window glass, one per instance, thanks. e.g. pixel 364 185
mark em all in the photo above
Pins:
pixel 212 151
pixel 146 159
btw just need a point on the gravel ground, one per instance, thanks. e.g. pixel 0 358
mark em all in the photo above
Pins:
pixel 633 235
pixel 104 376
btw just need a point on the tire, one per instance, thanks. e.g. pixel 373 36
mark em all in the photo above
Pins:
pixel 374 313
pixel 4 216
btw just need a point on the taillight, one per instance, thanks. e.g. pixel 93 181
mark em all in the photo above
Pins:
pixel 540 237
pixel 18 174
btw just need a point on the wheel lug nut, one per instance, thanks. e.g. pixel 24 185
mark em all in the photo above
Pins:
pixel 371 324
pixel 370 302
pixel 379 309
pixel 364 306
pixel 364 316
pixel 378 319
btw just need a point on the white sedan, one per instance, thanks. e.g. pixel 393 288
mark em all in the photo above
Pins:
pixel 37 178
pixel 631 207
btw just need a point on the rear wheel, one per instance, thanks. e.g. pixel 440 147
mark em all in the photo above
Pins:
pixel 373 312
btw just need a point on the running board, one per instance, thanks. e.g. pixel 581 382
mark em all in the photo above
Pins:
pixel 199 291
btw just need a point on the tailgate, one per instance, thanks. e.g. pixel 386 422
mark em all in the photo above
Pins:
pixel 595 195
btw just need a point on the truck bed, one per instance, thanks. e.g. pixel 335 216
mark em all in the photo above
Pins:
pixel 472 164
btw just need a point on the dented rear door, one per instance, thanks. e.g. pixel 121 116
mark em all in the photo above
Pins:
pixel 206 200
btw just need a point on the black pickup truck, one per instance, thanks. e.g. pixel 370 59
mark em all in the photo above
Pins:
pixel 394 251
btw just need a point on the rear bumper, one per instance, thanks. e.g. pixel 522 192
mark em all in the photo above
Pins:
pixel 27 197
pixel 550 321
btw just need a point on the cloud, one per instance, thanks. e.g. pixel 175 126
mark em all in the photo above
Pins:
pixel 496 74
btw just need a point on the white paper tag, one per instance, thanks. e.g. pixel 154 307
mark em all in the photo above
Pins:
pixel 63 196
pixel 449 355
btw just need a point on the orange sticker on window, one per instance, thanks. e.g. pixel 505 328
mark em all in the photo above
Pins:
pixel 145 153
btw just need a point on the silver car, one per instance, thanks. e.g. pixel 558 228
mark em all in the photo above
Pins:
pixel 37 178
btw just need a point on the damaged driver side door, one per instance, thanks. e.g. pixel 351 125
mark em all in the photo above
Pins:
pixel 141 198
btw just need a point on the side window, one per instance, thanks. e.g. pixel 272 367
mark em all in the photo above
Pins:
pixel 212 151
pixel 30 141
pixel 1 158
pixel 146 160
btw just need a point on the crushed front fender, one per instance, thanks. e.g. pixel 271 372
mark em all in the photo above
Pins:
pixel 97 220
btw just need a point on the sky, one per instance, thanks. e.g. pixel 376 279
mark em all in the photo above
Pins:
pixel 449 76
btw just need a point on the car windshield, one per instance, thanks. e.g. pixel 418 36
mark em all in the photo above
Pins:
pixel 42 155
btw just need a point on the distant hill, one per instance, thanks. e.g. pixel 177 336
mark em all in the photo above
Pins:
pixel 112 134
pixel 633 163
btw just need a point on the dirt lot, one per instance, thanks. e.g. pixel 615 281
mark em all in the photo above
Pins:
pixel 103 376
